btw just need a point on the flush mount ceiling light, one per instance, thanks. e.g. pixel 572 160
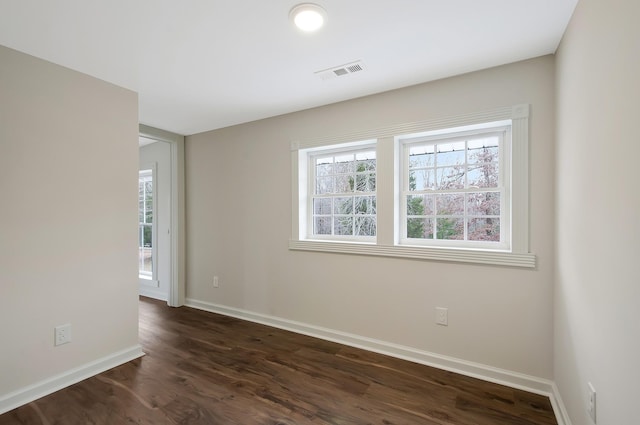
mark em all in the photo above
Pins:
pixel 308 16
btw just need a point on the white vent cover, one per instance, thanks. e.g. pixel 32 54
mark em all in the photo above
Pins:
pixel 341 71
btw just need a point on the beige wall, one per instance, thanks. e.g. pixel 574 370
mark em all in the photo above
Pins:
pixel 597 296
pixel 68 166
pixel 238 225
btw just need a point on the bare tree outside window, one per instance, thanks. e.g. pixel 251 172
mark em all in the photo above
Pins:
pixel 453 190
pixel 344 196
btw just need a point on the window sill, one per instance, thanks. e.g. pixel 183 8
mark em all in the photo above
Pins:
pixel 499 258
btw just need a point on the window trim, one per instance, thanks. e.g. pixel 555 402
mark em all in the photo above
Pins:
pixel 388 186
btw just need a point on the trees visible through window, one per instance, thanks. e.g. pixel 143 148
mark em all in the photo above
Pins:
pixel 343 201
pixel 145 224
pixel 451 188
pixel 454 188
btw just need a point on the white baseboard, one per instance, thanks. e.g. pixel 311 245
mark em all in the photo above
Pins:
pixel 40 389
pixel 562 416
pixel 476 370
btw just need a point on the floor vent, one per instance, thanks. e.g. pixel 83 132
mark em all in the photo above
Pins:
pixel 340 71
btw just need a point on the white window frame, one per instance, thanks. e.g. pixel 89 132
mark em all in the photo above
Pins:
pixel 388 188
pixel 333 150
pixel 500 129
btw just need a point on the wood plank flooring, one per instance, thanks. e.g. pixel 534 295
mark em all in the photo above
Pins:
pixel 204 368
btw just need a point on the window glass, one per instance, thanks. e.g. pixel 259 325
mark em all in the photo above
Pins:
pixel 453 189
pixel 344 194
pixel 145 224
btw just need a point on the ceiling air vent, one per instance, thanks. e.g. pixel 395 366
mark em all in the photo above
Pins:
pixel 340 71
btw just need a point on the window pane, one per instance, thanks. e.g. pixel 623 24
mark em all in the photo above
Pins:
pixel 371 182
pixel 421 179
pixel 421 156
pixel 324 185
pixel 365 205
pixel 483 175
pixel 344 164
pixel 420 204
pixel 483 155
pixel 140 236
pixel 322 206
pixel 484 229
pixel 343 205
pixel 145 260
pixel 451 153
pixel 322 226
pixel 450 228
pixel 344 184
pixel 482 145
pixel 323 168
pixel 343 226
pixel 420 228
pixel 483 203
pixel 450 204
pixel 450 178
pixel 365 182
pixel 147 237
pixel 365 161
pixel 365 226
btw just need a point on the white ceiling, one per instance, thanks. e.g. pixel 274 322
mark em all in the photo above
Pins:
pixel 204 64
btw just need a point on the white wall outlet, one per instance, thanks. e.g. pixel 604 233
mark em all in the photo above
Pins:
pixel 442 316
pixel 62 334
pixel 591 402
pixel 216 282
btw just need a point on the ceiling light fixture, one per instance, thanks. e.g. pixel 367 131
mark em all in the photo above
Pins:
pixel 308 17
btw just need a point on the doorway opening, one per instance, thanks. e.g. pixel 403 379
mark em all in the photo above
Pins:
pixel 161 216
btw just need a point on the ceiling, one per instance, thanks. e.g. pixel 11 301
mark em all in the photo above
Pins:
pixel 199 65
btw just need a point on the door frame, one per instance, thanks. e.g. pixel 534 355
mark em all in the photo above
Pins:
pixel 177 284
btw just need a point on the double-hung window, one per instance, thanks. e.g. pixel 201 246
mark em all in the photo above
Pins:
pixel 342 185
pixel 451 189
pixel 455 188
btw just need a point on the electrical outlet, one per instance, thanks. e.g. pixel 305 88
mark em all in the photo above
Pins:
pixel 216 282
pixel 591 402
pixel 62 334
pixel 442 316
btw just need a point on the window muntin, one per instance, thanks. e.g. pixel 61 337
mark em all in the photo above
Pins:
pixel 343 199
pixel 455 189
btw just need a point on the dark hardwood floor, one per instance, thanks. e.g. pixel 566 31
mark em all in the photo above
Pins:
pixel 204 368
